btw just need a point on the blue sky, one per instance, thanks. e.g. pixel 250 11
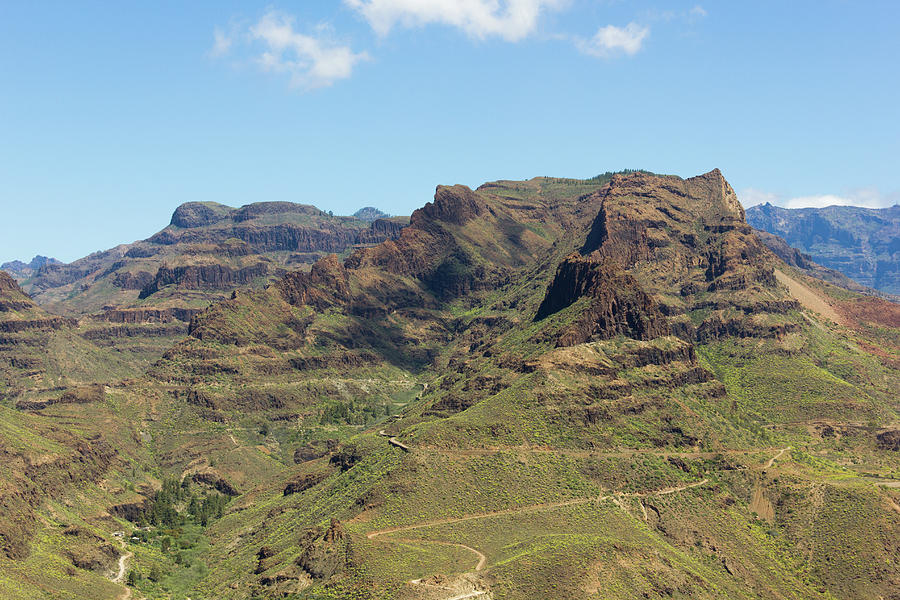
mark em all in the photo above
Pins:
pixel 112 114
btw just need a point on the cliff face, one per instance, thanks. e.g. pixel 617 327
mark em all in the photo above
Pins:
pixel 618 306
pixel 668 227
pixel 861 243
pixel 199 277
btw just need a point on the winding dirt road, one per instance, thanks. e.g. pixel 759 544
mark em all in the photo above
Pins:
pixel 120 576
pixel 482 559
pixel 772 460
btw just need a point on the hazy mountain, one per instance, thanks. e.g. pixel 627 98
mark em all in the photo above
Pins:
pixel 21 271
pixel 861 243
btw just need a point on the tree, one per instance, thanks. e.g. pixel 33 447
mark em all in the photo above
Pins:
pixel 155 574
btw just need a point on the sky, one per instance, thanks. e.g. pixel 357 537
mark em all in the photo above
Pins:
pixel 113 114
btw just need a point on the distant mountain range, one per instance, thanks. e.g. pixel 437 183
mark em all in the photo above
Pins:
pixel 22 270
pixel 861 243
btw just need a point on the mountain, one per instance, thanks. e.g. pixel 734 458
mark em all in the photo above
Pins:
pixel 137 299
pixel 21 270
pixel 370 213
pixel 207 250
pixel 551 388
pixel 861 243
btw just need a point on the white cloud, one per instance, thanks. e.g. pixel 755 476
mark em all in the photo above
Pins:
pixel 865 197
pixel 612 40
pixel 511 20
pixel 311 61
pixel 697 11
pixel 816 201
pixel 221 43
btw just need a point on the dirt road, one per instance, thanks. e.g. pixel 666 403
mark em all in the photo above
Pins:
pixel 772 460
pixel 120 575
pixel 482 559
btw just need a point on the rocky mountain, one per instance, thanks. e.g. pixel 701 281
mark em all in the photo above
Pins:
pixel 207 250
pixel 551 388
pixel 861 243
pixel 21 270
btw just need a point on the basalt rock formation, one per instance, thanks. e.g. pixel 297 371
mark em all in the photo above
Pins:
pixel 617 305
pixel 199 277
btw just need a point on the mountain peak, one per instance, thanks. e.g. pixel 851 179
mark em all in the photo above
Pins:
pixel 21 270
pixel 199 214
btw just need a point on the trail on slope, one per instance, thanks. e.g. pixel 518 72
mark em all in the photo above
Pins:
pixel 482 559
pixel 394 441
pixel 809 298
pixel 120 575
pixel 772 460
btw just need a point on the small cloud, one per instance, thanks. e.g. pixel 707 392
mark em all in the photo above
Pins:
pixel 221 43
pixel 611 40
pixel 511 20
pixel 310 60
pixel 698 12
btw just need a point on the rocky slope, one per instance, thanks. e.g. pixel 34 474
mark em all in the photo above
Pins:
pixel 43 353
pixel 566 331
pixel 207 251
pixel 861 243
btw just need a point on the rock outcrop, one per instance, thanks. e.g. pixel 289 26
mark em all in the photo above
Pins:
pixel 327 283
pixel 208 277
pixel 617 304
